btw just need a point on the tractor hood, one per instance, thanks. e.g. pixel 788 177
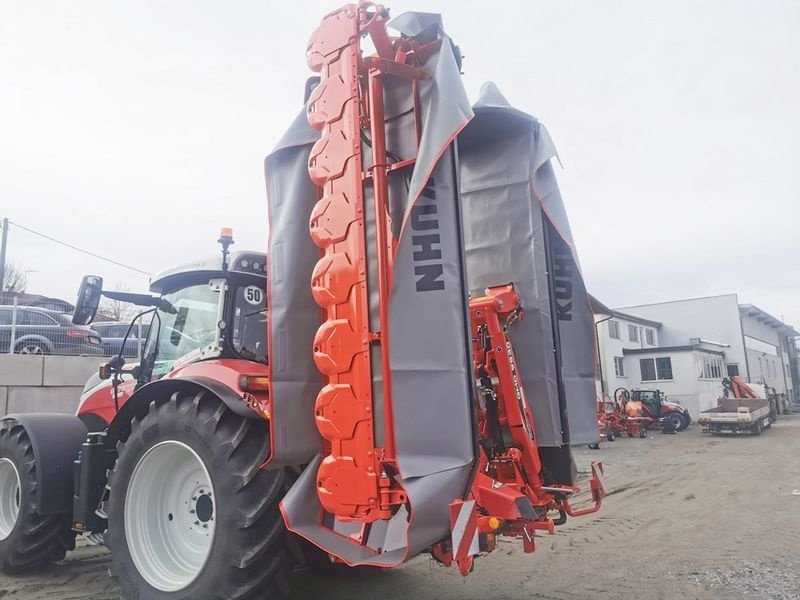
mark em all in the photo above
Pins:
pixel 675 406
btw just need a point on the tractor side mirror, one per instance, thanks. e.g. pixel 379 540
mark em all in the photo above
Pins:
pixel 88 299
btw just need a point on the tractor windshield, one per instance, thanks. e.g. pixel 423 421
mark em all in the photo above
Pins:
pixel 191 327
pixel 249 323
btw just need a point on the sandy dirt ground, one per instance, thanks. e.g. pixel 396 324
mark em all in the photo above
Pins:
pixel 688 516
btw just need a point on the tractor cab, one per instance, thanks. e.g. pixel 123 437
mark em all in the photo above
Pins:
pixel 207 309
pixel 208 312
pixel 651 401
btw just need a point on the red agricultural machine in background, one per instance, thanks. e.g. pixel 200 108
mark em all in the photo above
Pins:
pixel 421 411
pixel 653 405
pixel 613 421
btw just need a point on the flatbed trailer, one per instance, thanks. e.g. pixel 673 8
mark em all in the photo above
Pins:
pixel 737 415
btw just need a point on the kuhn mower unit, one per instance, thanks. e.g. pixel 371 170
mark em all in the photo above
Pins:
pixel 406 375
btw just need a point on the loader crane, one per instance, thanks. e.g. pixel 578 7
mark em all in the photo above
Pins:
pixel 393 384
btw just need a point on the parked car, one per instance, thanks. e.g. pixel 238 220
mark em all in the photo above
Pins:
pixel 112 334
pixel 42 331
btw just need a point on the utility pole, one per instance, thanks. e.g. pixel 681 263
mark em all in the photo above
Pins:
pixel 3 242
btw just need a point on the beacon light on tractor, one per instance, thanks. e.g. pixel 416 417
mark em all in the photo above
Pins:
pixel 404 404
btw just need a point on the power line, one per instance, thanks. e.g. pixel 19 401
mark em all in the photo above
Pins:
pixel 52 239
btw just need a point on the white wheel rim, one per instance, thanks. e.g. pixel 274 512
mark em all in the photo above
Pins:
pixel 170 516
pixel 9 497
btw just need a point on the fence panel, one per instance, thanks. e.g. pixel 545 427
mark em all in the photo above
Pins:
pixel 29 329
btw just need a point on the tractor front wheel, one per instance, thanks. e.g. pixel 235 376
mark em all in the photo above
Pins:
pixel 191 513
pixel 28 540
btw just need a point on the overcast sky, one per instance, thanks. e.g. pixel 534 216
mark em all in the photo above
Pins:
pixel 137 129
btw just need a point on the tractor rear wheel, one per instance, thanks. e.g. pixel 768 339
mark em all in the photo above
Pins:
pixel 27 539
pixel 685 419
pixel 192 515
pixel 677 421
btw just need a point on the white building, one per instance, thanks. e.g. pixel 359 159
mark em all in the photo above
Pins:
pixel 686 347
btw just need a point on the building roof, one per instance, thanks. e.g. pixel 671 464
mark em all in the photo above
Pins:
pixel 629 317
pixel 598 308
pixel 659 349
pixel 751 310
pixel 678 300
pixel 25 299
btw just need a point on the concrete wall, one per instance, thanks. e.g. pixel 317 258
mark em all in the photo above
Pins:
pixel 43 383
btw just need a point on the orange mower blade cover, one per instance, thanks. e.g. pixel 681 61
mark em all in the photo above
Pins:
pixel 394 412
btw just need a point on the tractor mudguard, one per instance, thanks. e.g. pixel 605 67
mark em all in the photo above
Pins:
pixel 161 390
pixel 56 440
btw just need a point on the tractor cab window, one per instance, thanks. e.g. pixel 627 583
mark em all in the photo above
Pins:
pixel 190 328
pixel 249 323
pixel 648 396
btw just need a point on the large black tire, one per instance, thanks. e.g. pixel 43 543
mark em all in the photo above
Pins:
pixel 248 557
pixel 685 420
pixel 677 420
pixel 34 540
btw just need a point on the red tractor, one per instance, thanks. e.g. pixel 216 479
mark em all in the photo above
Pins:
pixel 654 405
pixel 399 404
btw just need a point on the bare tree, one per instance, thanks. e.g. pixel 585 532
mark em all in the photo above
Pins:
pixel 116 309
pixel 13 279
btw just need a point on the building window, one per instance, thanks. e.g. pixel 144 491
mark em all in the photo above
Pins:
pixel 653 369
pixel 732 369
pixel 613 330
pixel 710 367
pixel 650 336
pixel 633 333
pixel 664 367
pixel 619 368
pixel 648 368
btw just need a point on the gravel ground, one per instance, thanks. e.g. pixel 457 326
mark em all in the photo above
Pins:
pixel 688 516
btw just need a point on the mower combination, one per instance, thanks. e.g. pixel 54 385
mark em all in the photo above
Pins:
pixel 399 404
